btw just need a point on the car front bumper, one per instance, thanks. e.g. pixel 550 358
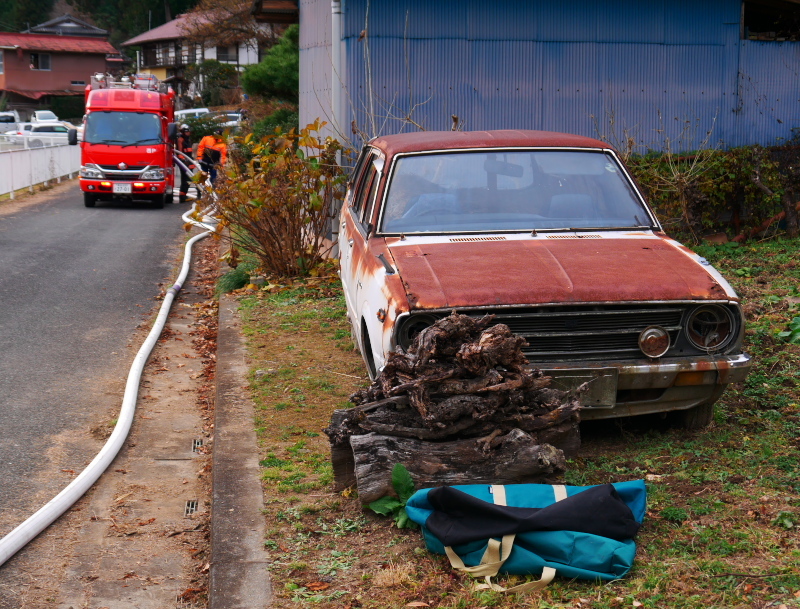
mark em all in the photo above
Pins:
pixel 622 389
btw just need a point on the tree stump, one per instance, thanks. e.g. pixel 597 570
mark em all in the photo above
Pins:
pixel 462 406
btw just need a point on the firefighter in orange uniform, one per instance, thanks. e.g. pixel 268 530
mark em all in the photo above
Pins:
pixel 212 152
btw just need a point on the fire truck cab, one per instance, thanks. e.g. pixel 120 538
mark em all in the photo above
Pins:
pixel 128 137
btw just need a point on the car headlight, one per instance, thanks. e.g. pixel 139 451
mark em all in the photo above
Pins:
pixel 710 327
pixel 88 171
pixel 153 173
pixel 410 326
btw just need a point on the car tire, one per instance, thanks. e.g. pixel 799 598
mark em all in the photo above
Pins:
pixel 158 201
pixel 696 418
pixel 89 200
pixel 36 144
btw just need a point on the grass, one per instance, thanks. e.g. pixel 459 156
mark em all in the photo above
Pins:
pixel 723 523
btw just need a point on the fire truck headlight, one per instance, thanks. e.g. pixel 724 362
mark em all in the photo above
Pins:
pixel 87 171
pixel 152 173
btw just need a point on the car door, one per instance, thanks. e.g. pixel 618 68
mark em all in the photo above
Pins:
pixel 355 230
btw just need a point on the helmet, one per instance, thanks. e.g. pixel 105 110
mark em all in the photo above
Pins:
pixel 184 127
pixel 218 131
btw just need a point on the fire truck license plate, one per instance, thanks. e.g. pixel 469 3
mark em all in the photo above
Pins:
pixel 122 188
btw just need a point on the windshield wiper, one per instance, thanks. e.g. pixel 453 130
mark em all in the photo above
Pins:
pixel 138 142
pixel 107 142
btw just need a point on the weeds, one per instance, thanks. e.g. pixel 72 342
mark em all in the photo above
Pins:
pixel 722 528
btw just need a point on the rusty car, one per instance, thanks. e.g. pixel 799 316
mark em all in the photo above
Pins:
pixel 550 234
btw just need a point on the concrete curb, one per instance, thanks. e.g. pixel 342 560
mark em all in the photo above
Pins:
pixel 238 578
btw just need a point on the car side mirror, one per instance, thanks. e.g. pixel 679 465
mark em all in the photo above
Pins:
pixel 172 132
pixel 72 137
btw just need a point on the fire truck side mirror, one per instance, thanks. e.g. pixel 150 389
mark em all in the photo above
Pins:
pixel 172 132
pixel 72 137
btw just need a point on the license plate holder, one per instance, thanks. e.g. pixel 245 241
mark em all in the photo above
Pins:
pixel 122 188
pixel 601 388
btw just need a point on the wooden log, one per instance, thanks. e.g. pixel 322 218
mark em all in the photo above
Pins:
pixel 513 458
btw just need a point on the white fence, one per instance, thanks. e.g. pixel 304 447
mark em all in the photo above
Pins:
pixel 26 167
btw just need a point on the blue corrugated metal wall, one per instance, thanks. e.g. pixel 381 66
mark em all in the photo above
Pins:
pixel 664 73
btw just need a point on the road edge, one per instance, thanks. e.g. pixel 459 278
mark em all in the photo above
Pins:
pixel 239 577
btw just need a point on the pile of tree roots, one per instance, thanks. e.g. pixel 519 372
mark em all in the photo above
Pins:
pixel 461 406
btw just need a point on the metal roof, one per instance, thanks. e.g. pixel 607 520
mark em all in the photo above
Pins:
pixel 54 44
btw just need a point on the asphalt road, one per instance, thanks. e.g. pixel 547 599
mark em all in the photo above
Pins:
pixel 75 283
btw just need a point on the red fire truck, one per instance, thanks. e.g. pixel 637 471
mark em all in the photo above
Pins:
pixel 128 135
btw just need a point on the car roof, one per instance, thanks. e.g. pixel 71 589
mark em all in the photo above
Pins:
pixel 422 141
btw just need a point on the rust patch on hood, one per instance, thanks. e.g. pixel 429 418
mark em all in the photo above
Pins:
pixel 538 271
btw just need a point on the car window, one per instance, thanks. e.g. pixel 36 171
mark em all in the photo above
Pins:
pixel 518 190
pixel 364 185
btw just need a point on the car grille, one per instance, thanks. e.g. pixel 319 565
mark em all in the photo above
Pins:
pixel 112 172
pixel 580 333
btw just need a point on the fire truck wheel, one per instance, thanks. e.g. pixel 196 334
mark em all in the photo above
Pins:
pixel 158 201
pixel 89 200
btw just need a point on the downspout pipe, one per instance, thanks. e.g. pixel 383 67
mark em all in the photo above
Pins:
pixel 337 76
pixel 18 538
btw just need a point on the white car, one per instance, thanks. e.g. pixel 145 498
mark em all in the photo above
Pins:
pixel 44 116
pixel 14 136
pixel 36 135
pixel 182 115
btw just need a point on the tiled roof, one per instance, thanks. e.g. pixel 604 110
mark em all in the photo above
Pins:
pixel 63 44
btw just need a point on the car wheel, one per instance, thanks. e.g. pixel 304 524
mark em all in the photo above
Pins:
pixel 698 417
pixel 36 144
pixel 158 201
pixel 369 359
pixel 89 200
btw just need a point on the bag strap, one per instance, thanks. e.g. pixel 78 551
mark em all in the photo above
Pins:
pixel 497 552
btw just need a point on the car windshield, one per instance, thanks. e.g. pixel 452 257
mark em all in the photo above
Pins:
pixel 517 190
pixel 122 128
pixel 46 115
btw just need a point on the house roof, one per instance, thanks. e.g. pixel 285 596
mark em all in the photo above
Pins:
pixel 68 25
pixel 41 94
pixel 55 44
pixel 171 30
pixel 275 11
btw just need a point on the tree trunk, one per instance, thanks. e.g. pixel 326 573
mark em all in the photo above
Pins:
pixel 513 458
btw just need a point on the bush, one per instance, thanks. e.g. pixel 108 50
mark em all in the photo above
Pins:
pixel 284 119
pixel 281 211
pixel 736 191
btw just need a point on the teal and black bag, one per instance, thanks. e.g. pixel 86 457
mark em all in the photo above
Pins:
pixel 584 532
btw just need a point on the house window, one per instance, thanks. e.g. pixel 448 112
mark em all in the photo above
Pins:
pixel 229 54
pixel 40 61
pixel 78 83
pixel 1 63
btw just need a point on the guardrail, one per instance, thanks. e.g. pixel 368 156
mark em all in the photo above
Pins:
pixel 22 168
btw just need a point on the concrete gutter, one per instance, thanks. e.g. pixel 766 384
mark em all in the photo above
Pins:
pixel 239 578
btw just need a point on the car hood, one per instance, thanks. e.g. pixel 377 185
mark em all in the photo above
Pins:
pixel 477 271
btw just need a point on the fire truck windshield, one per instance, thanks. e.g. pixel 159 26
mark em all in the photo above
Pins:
pixel 122 128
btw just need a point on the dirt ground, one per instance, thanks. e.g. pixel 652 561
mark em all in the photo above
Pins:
pixel 140 537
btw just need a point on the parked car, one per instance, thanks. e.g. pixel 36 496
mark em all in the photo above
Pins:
pixel 35 135
pixel 9 120
pixel 44 116
pixel 14 136
pixel 549 233
pixel 182 115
